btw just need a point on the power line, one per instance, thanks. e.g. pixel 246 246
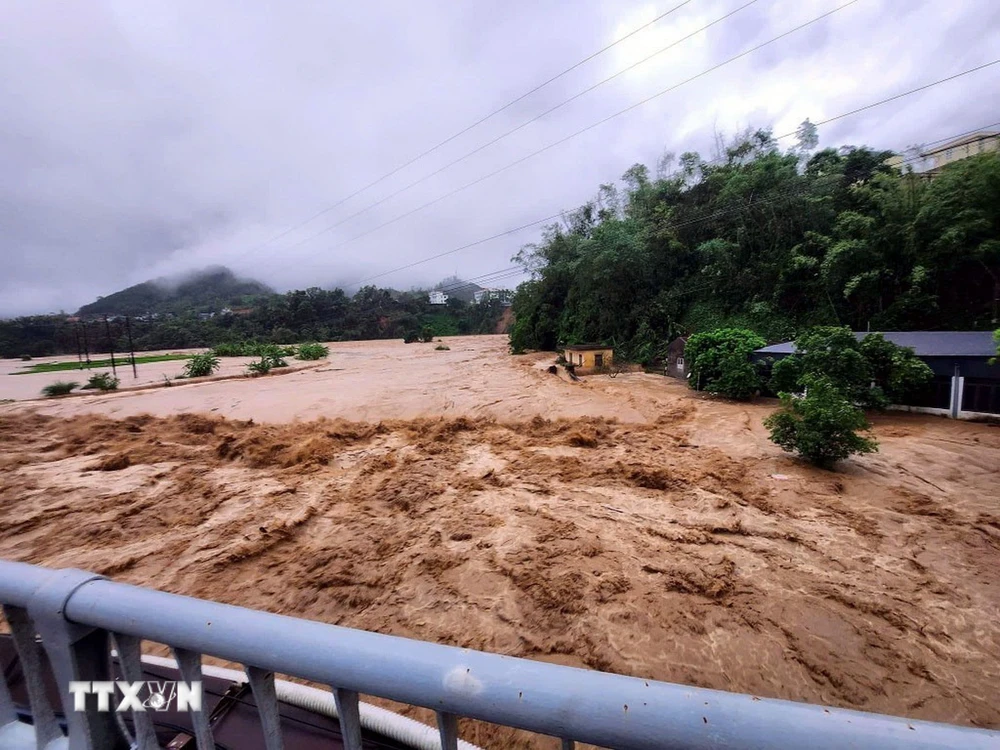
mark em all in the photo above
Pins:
pixel 524 124
pixel 857 110
pixel 466 129
pixel 720 212
pixel 597 124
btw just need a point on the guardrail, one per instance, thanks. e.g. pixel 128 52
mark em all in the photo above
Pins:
pixel 77 615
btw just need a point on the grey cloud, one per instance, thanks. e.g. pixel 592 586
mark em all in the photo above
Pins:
pixel 143 139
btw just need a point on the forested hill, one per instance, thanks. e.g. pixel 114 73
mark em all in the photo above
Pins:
pixel 772 241
pixel 206 291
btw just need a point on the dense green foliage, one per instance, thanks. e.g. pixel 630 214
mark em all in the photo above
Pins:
pixel 207 291
pixel 768 241
pixel 871 373
pixel 201 365
pixel 59 388
pixel 312 351
pixel 298 316
pixel 720 362
pixel 102 381
pixel 822 426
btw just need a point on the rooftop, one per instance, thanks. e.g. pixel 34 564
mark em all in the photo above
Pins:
pixel 923 343
pixel 586 347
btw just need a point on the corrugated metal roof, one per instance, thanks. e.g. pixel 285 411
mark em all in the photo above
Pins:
pixel 923 343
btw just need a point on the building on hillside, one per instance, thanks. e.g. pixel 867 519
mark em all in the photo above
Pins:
pixel 930 162
pixel 437 297
pixel 484 295
pixel 966 384
pixel 675 365
pixel 588 357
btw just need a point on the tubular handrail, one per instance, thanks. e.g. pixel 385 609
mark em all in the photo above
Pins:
pixel 575 704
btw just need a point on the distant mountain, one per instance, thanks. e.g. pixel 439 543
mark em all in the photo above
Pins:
pixel 208 290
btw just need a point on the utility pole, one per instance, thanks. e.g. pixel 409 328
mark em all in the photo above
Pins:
pixel 86 344
pixel 79 353
pixel 111 345
pixel 131 348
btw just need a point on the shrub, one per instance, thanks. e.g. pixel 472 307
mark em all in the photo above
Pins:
pixel 25 357
pixel 720 362
pixel 252 349
pixel 275 355
pixel 312 351
pixel 411 338
pixel 201 365
pixel 59 388
pixel 442 348
pixel 102 381
pixel 426 335
pixel 260 367
pixel 785 375
pixel 821 426
pixel 894 369
pixel 870 373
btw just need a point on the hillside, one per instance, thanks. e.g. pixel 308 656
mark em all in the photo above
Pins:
pixel 205 291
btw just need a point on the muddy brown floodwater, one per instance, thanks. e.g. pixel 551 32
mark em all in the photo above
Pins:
pixel 619 524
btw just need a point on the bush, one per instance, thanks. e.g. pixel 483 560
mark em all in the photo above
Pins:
pixel 59 388
pixel 411 338
pixel 312 351
pixel 894 369
pixel 442 348
pixel 260 367
pixel 102 381
pixel 275 355
pixel 25 357
pixel 785 375
pixel 720 362
pixel 252 349
pixel 822 426
pixel 201 365
pixel 833 352
pixel 871 373
pixel 426 335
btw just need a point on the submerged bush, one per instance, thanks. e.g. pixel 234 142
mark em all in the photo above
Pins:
pixel 102 381
pixel 311 351
pixel 59 388
pixel 821 426
pixel 201 365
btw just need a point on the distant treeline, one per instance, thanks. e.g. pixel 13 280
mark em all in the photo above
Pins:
pixel 769 241
pixel 297 316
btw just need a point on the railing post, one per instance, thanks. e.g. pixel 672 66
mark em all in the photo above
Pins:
pixel 76 653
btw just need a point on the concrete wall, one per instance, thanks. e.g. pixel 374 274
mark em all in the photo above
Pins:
pixel 587 359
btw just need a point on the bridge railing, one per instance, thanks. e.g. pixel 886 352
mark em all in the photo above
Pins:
pixel 79 615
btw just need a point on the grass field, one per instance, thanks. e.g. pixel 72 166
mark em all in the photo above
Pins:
pixel 97 363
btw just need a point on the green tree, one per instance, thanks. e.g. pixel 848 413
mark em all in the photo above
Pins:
pixel 822 426
pixel 720 362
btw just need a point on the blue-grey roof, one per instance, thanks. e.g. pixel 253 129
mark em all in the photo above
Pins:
pixel 923 343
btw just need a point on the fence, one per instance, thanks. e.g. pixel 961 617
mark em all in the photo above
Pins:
pixel 77 615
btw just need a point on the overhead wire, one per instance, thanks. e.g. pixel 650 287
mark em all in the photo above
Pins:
pixel 602 121
pixel 475 124
pixel 524 124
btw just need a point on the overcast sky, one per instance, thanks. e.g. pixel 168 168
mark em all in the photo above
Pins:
pixel 140 139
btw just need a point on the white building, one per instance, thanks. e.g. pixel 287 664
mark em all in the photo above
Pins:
pixel 437 297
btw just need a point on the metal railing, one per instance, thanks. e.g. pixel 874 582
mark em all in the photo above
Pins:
pixel 77 615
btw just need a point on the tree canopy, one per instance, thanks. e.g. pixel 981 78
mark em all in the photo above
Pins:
pixel 770 241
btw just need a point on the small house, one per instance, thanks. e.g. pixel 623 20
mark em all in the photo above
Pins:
pixel 676 366
pixel 588 357
pixel 437 297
